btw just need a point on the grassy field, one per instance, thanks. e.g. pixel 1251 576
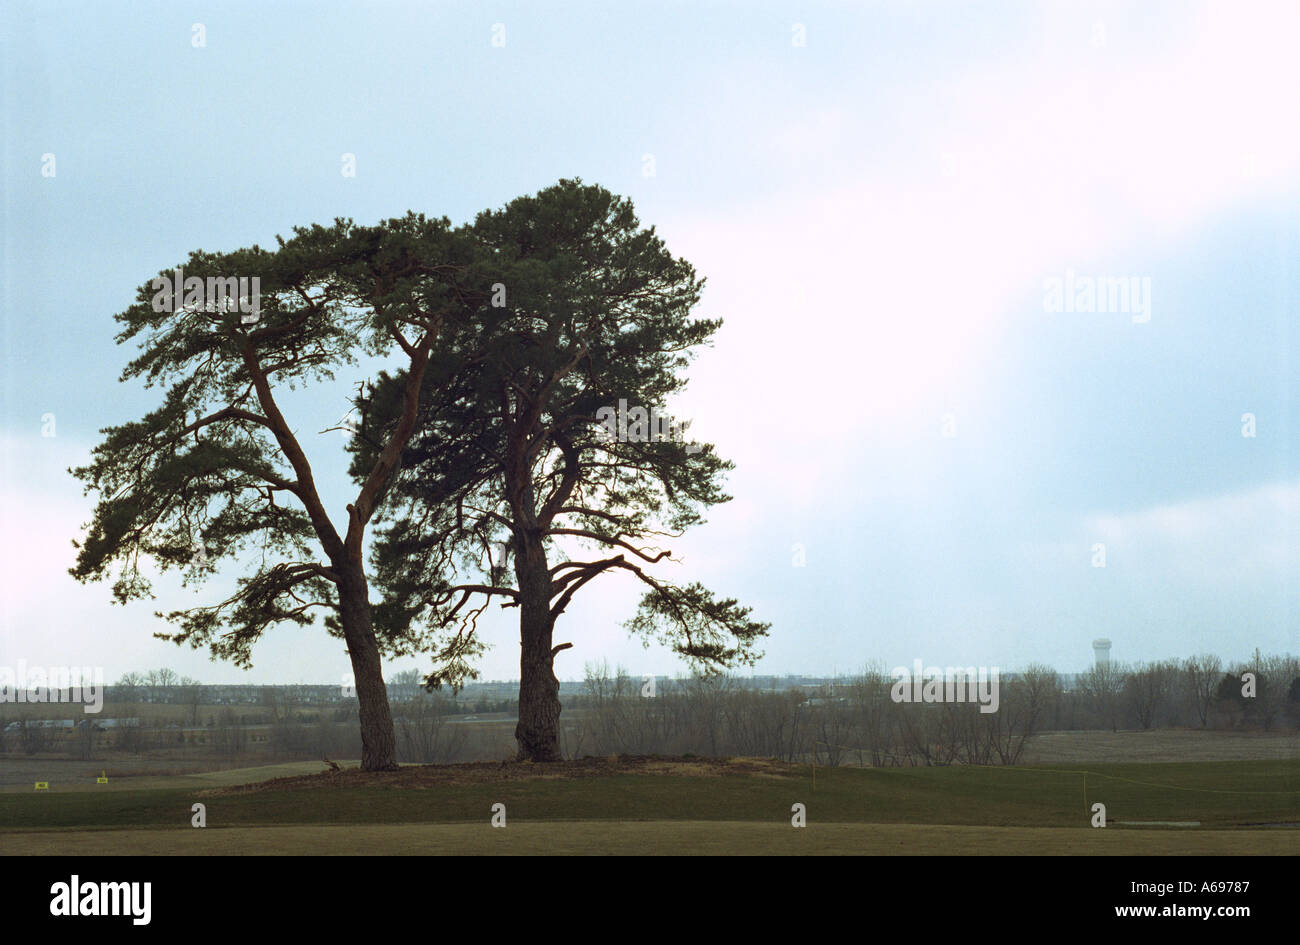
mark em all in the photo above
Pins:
pixel 1084 748
pixel 1241 807
pixel 83 776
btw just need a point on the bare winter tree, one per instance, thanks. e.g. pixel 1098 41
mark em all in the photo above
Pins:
pixel 193 697
pixel 1147 689
pixel 1201 676
pixel 1103 685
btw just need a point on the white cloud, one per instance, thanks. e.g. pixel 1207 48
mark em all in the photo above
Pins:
pixel 1234 540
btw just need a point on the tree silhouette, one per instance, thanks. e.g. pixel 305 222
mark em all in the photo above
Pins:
pixel 217 469
pixel 545 436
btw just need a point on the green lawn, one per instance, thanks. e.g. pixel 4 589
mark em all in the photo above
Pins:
pixel 1217 794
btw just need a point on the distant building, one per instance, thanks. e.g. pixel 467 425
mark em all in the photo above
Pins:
pixel 1101 652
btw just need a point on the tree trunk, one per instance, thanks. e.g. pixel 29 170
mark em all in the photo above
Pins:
pixel 378 739
pixel 538 731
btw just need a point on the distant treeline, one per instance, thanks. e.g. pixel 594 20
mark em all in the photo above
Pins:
pixel 858 718
pixel 848 720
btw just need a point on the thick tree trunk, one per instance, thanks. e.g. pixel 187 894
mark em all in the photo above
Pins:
pixel 378 740
pixel 538 731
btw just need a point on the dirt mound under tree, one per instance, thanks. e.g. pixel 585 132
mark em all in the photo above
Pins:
pixel 495 772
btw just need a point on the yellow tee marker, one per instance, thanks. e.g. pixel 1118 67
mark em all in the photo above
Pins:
pixel 42 786
pixel 102 779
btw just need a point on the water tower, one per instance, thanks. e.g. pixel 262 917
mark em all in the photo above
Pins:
pixel 1101 649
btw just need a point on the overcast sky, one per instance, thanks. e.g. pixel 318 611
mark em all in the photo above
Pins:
pixel 880 195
